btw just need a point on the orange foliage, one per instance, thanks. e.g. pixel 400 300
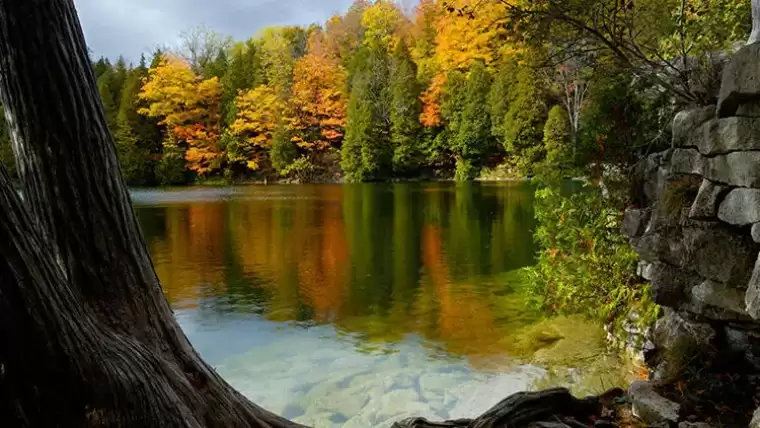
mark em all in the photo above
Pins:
pixel 189 107
pixel 446 41
pixel 431 102
pixel 319 99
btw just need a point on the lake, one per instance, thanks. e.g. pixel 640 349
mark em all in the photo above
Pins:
pixel 358 305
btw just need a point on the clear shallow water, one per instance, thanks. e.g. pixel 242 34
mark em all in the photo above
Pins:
pixel 359 305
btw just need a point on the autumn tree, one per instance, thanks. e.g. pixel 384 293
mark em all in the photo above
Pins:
pixel 189 107
pixel 344 34
pixel 259 111
pixel 382 23
pixel 319 98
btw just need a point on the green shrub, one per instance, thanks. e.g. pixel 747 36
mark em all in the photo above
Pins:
pixel 171 169
pixel 465 170
pixel 585 264
pixel 302 169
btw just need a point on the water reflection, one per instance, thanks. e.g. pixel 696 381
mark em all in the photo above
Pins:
pixel 355 306
pixel 379 260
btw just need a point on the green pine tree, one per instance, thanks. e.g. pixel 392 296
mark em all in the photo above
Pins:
pixel 556 145
pixel 243 73
pixel 405 111
pixel 473 138
pixel 101 66
pixel 283 150
pixel 523 124
pixel 119 77
pixel 499 97
pixel 157 57
pixel 218 67
pixel 367 152
pixel 136 136
pixel 105 89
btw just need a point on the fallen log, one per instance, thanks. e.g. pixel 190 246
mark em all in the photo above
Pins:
pixel 553 408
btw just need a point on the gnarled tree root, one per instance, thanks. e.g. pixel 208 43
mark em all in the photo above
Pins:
pixel 554 408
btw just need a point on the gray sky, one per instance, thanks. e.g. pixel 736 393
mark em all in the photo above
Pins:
pixel 130 27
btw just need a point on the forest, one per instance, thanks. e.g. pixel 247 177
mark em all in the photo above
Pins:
pixel 456 89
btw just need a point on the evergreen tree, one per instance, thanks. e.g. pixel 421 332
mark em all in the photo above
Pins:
pixel 105 88
pixel 499 98
pixel 405 110
pixel 556 144
pixel 101 66
pixel 158 56
pixel 283 150
pixel 367 151
pixel 523 124
pixel 243 73
pixel 137 136
pixel 218 67
pixel 473 138
pixel 451 111
pixel 119 76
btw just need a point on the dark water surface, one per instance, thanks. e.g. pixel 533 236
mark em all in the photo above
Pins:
pixel 356 305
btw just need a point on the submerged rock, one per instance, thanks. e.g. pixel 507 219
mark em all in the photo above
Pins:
pixel 650 406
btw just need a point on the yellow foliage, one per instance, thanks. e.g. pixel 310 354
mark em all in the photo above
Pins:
pixel 462 39
pixel 383 24
pixel 257 113
pixel 189 107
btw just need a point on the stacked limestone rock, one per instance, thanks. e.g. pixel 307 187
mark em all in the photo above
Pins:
pixel 697 224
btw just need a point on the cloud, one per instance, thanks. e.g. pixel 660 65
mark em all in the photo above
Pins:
pixel 130 27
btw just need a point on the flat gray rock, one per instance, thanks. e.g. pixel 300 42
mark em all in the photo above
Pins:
pixel 686 122
pixel 736 168
pixel 740 207
pixel 731 134
pixel 720 295
pixel 706 204
pixel 687 161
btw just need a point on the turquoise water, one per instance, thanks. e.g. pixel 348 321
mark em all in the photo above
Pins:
pixel 355 306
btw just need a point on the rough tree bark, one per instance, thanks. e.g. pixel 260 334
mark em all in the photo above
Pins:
pixel 86 336
pixel 87 339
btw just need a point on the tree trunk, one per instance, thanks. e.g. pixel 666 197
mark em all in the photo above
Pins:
pixel 87 338
pixel 86 335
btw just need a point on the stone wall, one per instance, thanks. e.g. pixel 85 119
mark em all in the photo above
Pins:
pixel 696 221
